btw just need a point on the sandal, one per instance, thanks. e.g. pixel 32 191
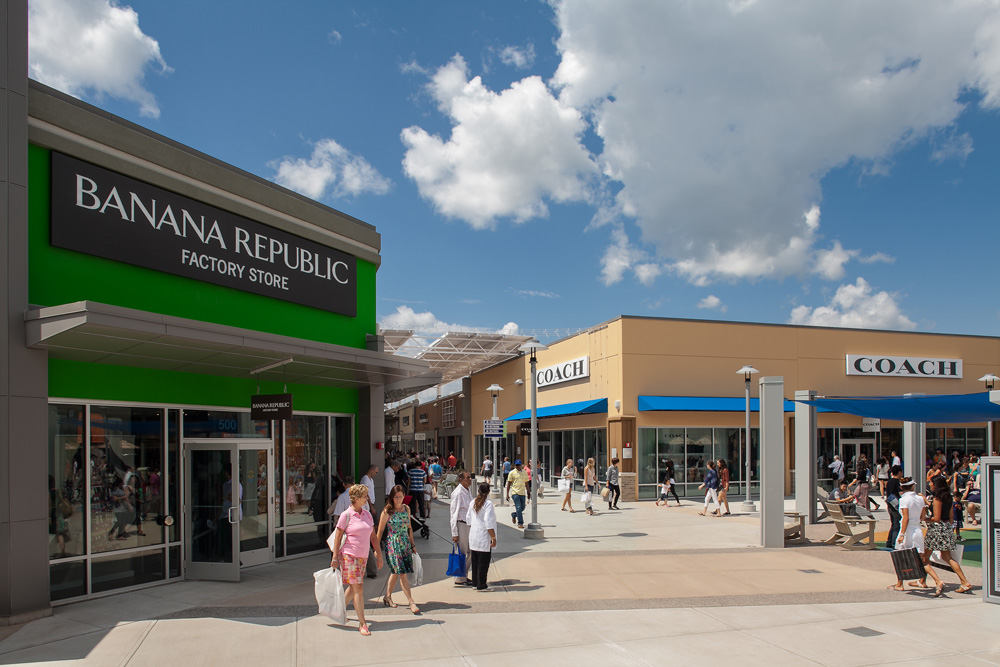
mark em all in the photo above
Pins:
pixel 938 590
pixel 387 601
pixel 414 609
pixel 917 584
pixel 894 587
pixel 364 630
pixel 965 589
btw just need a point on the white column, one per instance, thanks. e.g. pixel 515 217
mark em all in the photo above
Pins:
pixel 805 455
pixel 772 462
pixel 915 452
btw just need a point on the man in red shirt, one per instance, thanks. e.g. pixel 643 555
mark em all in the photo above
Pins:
pixel 452 461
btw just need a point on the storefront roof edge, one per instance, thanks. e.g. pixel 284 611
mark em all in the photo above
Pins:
pixel 704 404
pixel 101 333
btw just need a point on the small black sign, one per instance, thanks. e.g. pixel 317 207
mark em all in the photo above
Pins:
pixel 103 213
pixel 271 406
pixel 525 428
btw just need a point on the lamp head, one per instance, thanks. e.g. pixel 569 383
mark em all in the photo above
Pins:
pixel 990 379
pixel 747 372
pixel 518 381
pixel 494 389
pixel 531 347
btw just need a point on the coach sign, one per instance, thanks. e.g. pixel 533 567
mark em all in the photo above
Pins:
pixel 574 369
pixel 918 367
pixel 103 213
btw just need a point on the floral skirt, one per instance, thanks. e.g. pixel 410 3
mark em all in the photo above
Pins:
pixel 940 537
pixel 352 569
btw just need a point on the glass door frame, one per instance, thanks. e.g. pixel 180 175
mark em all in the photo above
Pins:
pixel 226 571
pixel 858 447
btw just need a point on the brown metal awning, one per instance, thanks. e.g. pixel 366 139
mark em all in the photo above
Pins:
pixel 99 333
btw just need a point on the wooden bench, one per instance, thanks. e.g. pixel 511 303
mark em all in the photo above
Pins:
pixel 847 530
pixel 823 497
pixel 795 527
pixel 447 485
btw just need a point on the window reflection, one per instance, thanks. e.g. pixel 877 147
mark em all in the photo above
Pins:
pixel 67 485
pixel 126 451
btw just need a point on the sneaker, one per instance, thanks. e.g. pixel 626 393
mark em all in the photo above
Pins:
pixel 513 519
pixel 488 589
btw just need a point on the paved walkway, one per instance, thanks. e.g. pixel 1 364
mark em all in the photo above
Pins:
pixel 641 586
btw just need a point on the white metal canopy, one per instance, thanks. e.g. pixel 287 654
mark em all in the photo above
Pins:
pixel 457 353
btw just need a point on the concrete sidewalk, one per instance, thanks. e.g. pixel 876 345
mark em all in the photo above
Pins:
pixel 637 586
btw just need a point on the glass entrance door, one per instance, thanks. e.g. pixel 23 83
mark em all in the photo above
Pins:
pixel 228 507
pixel 211 518
pixel 851 450
pixel 256 527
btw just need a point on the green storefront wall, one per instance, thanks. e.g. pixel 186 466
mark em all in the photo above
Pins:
pixel 58 276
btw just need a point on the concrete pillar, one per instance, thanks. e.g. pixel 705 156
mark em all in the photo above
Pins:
pixel 805 456
pixel 24 560
pixel 772 462
pixel 915 452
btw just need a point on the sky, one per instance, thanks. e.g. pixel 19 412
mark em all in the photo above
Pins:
pixel 542 167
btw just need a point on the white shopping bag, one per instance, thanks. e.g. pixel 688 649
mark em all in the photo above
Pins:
pixel 564 485
pixel 417 577
pixel 585 497
pixel 330 595
pixel 956 553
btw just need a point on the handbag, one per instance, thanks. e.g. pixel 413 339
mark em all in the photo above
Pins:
pixel 908 564
pixel 564 485
pixel 605 492
pixel 585 497
pixel 417 576
pixel 956 553
pixel 330 595
pixel 65 507
pixel 456 563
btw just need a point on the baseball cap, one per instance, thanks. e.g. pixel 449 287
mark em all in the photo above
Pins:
pixel 517 462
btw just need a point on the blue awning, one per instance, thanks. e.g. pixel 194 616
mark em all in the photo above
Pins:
pixel 942 409
pixel 594 406
pixel 702 404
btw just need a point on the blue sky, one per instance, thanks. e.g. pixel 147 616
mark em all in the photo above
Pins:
pixel 553 165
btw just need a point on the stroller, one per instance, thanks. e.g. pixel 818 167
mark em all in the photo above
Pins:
pixel 417 524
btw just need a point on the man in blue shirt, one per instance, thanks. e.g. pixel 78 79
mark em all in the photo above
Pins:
pixel 711 484
pixel 417 479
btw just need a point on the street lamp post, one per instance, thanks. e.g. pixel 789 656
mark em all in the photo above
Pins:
pixel 494 390
pixel 534 531
pixel 990 379
pixel 747 372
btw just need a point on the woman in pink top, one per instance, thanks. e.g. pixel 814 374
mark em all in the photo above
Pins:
pixel 350 549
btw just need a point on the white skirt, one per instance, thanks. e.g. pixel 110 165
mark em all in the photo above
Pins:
pixel 914 539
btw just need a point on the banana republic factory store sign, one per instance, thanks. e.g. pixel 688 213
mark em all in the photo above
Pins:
pixel 103 213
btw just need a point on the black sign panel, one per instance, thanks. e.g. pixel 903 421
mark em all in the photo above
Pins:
pixel 271 406
pixel 103 213
pixel 525 428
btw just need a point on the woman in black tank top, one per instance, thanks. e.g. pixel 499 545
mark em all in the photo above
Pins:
pixel 940 536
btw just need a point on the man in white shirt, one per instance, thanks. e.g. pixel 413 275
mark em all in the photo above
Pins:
pixel 487 470
pixel 461 498
pixel 368 479
pixel 837 468
pixel 390 477
pixel 343 500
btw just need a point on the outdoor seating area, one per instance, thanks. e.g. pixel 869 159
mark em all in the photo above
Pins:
pixel 851 533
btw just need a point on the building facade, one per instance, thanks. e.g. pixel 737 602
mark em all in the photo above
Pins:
pixel 651 391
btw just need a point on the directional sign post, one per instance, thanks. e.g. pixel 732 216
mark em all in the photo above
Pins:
pixel 493 428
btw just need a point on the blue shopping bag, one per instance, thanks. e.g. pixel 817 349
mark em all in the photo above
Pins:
pixel 456 563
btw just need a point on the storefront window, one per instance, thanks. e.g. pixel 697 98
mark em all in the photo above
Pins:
pixel 729 447
pixel 671 450
pixel 67 483
pixel 306 470
pixel 699 453
pixel 126 455
pixel 646 452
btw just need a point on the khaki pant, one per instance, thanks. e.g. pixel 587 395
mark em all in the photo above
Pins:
pixel 463 546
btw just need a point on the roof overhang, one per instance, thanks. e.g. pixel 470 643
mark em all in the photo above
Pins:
pixel 455 354
pixel 99 333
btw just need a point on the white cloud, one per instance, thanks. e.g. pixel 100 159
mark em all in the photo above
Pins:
pixel 712 302
pixel 93 47
pixel 856 306
pixel 508 153
pixel 515 56
pixel 952 147
pixel 877 257
pixel 331 169
pixel 335 37
pixel 621 256
pixel 536 293
pixel 720 120
pixel 428 324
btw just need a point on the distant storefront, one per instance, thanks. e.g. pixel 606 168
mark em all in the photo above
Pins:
pixel 653 390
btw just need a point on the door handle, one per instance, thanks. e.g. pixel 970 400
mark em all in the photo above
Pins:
pixel 234 516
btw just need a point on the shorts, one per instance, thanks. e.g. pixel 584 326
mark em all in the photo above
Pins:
pixel 352 569
pixel 663 496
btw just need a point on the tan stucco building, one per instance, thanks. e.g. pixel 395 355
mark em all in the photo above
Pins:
pixel 651 389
